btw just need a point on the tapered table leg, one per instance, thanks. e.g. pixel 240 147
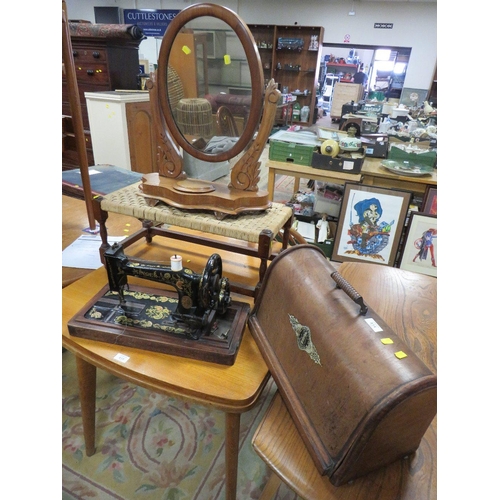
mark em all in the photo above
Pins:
pixel 272 485
pixel 232 449
pixel 87 385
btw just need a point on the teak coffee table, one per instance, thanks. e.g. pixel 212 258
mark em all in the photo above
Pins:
pixel 233 389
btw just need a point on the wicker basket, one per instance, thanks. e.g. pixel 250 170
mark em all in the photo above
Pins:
pixel 194 117
pixel 174 86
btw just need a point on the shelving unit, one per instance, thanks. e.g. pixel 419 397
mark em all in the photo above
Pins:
pixel 295 68
pixel 342 68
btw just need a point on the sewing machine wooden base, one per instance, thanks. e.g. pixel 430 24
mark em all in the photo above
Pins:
pixel 146 326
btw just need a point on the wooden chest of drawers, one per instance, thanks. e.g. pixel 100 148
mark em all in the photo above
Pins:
pixel 106 57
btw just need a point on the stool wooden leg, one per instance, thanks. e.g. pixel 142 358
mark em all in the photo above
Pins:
pixel 271 487
pixel 147 225
pixel 87 385
pixel 232 449
pixel 263 251
pixel 286 233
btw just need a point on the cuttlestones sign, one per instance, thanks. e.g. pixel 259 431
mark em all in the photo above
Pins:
pixel 153 22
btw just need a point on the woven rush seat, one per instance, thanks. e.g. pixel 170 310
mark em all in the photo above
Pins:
pixel 247 227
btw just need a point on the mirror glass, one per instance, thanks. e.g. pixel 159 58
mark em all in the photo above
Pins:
pixel 214 97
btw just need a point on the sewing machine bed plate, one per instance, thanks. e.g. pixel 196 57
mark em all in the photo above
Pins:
pixel 149 328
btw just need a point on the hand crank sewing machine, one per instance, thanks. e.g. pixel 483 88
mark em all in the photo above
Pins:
pixel 201 322
pixel 200 296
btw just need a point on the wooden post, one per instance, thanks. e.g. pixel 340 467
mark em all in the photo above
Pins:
pixel 76 115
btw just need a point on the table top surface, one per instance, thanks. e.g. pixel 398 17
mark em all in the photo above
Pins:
pixel 371 166
pixel 406 301
pixel 307 171
pixel 374 167
pixel 230 388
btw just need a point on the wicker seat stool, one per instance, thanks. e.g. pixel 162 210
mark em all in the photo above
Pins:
pixel 258 228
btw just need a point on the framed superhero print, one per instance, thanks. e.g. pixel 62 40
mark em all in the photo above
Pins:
pixel 420 250
pixel 370 225
pixel 429 205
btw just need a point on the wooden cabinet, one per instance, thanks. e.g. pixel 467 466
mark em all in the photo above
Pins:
pixel 344 93
pixel 290 55
pixel 122 128
pixel 106 57
pixel 142 142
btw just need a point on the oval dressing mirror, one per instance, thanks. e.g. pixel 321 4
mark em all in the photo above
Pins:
pixel 214 114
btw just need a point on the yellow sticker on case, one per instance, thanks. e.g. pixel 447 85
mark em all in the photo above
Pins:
pixel 400 355
pixel 186 50
pixel 386 341
pixel 227 59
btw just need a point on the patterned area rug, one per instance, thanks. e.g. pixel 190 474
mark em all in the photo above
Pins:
pixel 154 447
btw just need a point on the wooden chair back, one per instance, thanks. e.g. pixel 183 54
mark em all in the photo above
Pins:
pixel 226 125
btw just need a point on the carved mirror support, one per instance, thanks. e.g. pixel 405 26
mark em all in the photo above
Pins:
pixel 169 154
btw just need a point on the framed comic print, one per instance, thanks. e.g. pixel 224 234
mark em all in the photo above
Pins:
pixel 420 250
pixel 429 205
pixel 370 225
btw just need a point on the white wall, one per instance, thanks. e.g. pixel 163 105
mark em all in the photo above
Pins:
pixel 415 24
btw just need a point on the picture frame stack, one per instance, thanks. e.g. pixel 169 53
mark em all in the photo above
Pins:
pixel 374 226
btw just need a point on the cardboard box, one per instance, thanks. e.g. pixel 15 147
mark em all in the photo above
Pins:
pixel 376 145
pixel 291 152
pixel 338 164
pixel 329 207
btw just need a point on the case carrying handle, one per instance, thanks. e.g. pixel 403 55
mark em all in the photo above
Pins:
pixel 350 291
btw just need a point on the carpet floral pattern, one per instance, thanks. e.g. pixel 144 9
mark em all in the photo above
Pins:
pixel 154 447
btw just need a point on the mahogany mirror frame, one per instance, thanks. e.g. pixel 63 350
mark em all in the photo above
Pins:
pixel 256 73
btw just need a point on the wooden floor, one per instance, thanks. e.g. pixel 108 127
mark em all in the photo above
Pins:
pixel 75 221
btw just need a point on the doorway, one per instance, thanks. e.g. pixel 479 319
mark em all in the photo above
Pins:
pixel 385 68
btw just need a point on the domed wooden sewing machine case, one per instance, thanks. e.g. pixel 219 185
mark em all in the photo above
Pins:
pixel 359 401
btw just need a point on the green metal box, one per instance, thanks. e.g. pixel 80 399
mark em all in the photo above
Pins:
pixel 291 152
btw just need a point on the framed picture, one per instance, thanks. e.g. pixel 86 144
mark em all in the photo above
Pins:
pixel 420 251
pixel 370 224
pixel 429 205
